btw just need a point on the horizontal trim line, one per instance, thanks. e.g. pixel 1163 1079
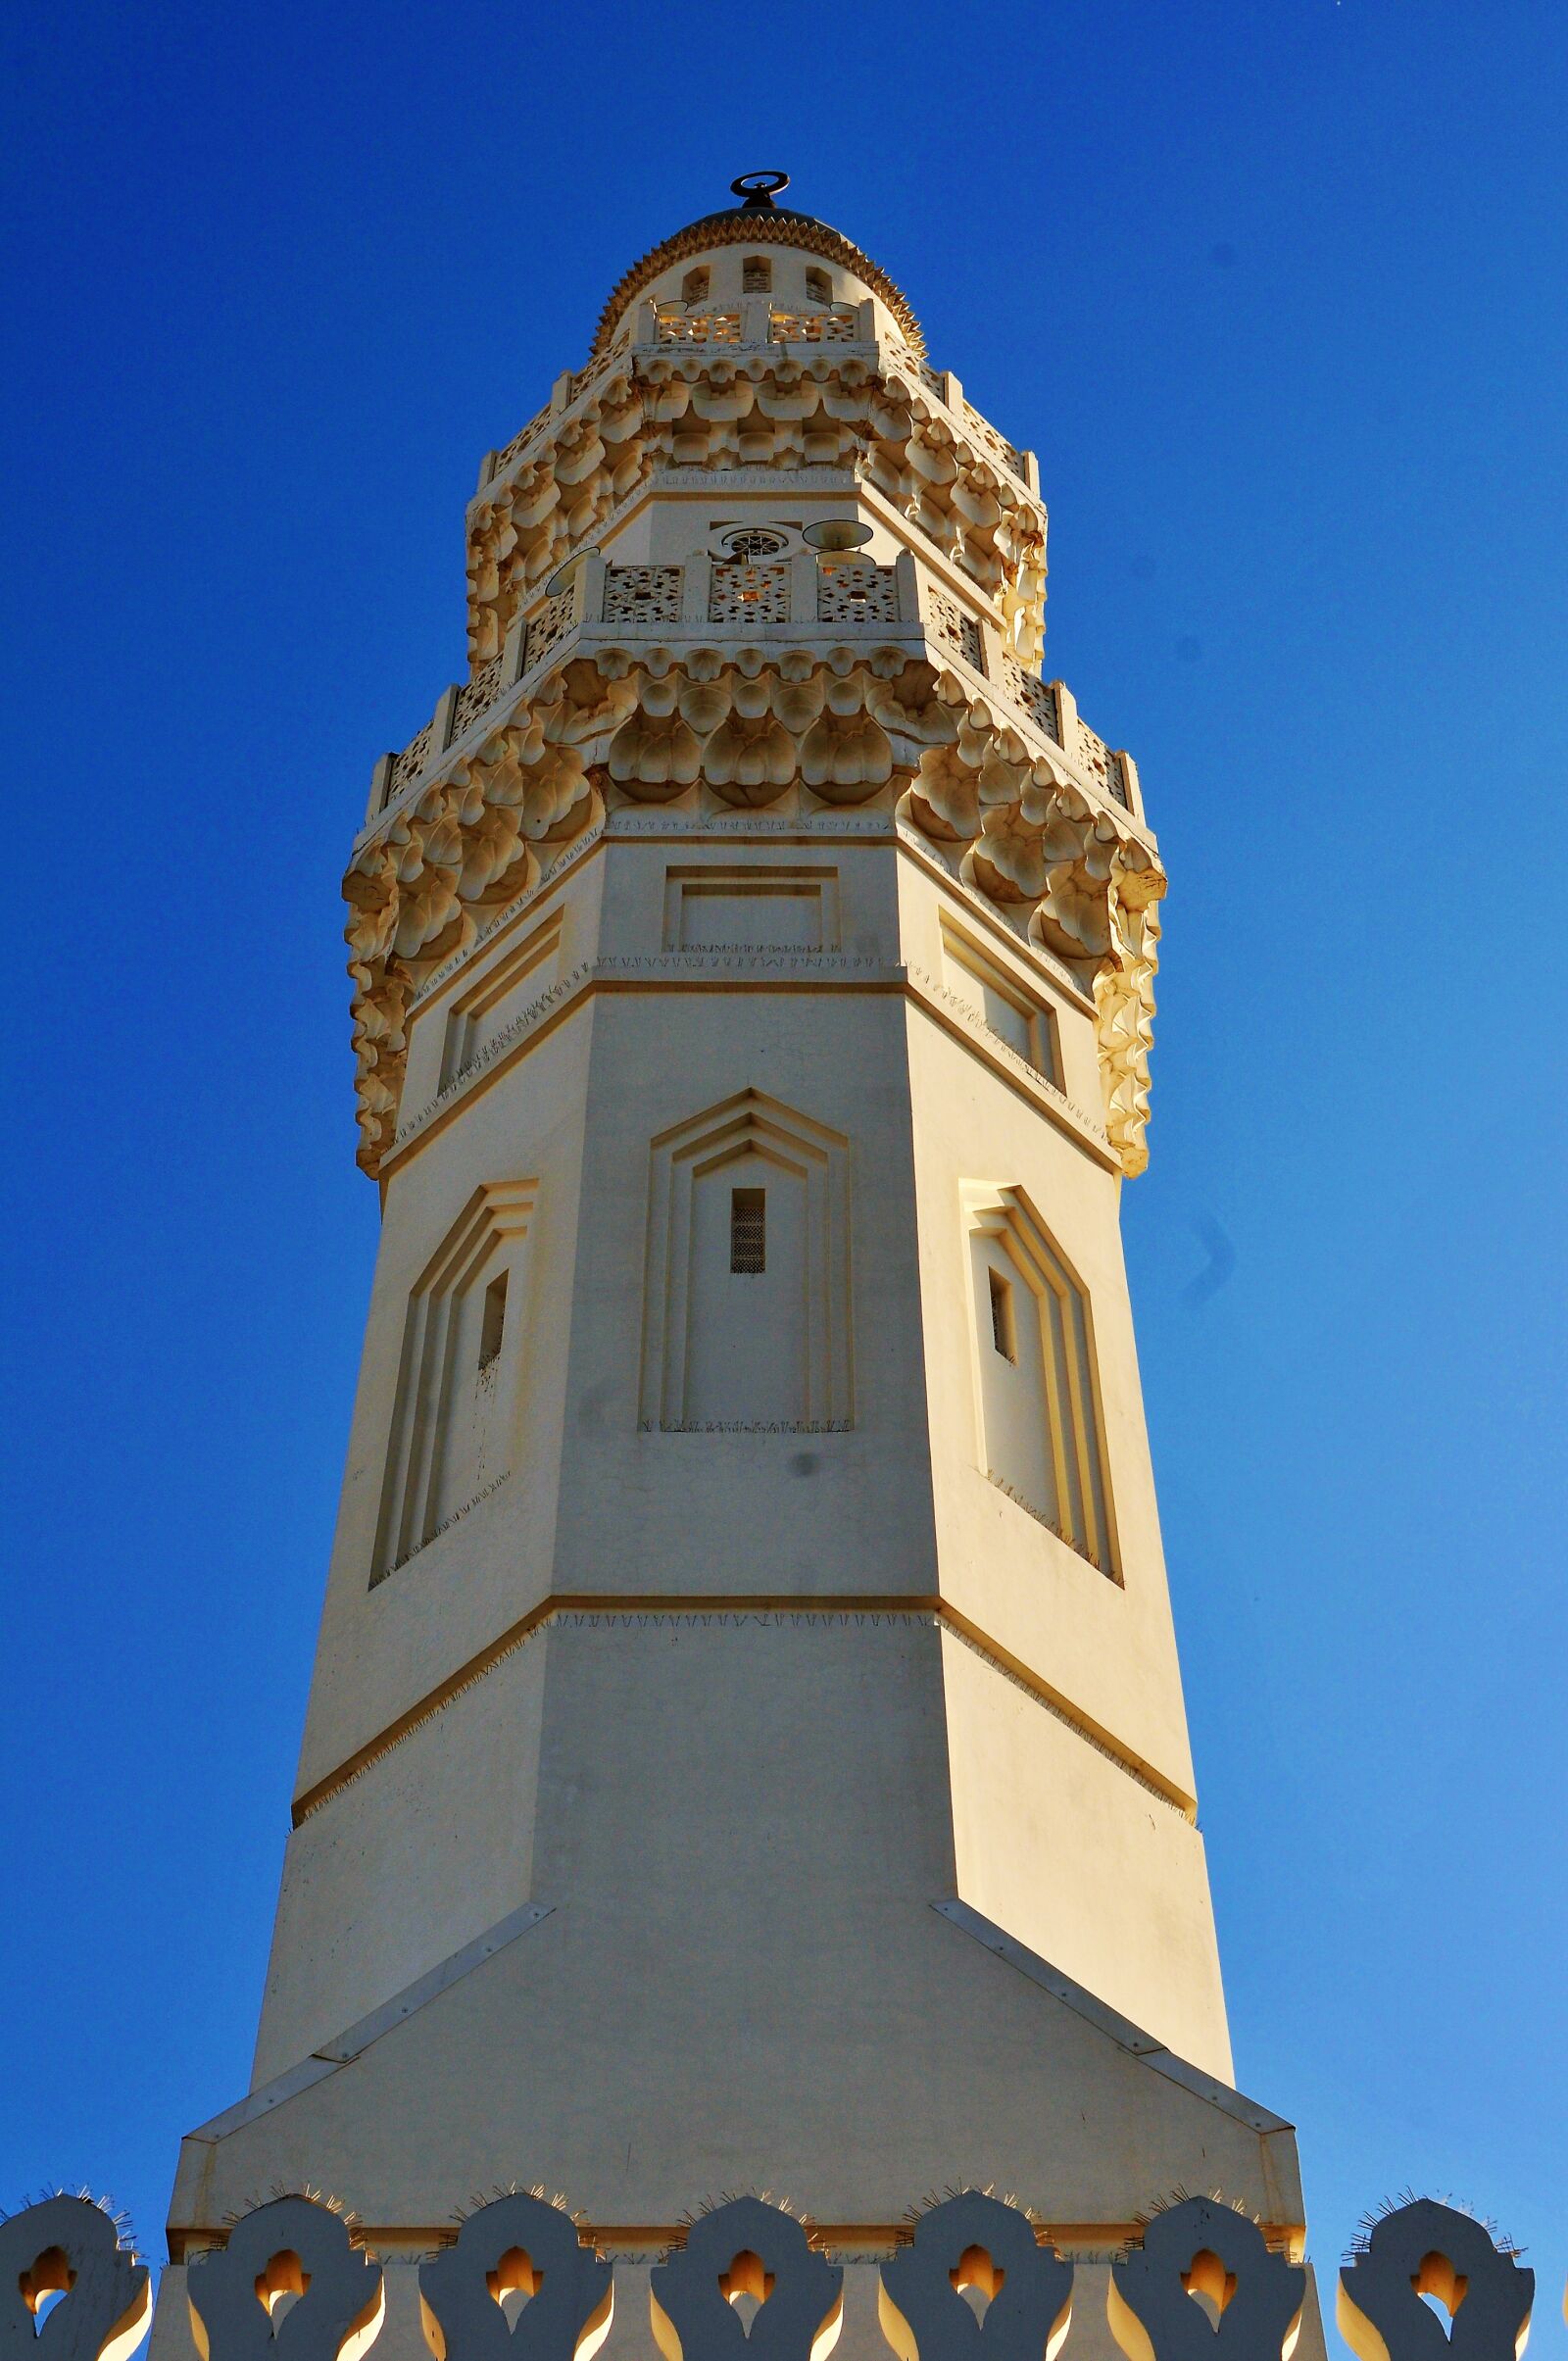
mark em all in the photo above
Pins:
pixel 847 1602
pixel 593 986
pixel 628 2240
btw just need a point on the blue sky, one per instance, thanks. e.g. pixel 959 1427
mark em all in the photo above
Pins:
pixel 1276 294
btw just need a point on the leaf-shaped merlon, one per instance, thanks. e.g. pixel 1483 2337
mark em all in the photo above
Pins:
pixel 516 2244
pixel 289 2247
pixel 745 2249
pixel 1197 2248
pixel 972 2240
pixel 68 2247
pixel 1421 2249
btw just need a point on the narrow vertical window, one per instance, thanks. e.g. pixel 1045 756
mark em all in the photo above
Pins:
pixel 819 287
pixel 694 287
pixel 757 274
pixel 1003 1334
pixel 493 1321
pixel 748 1231
pixel 1039 1417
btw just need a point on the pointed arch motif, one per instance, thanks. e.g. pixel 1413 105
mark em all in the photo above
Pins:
pixel 1041 1426
pixel 753 1334
pixel 458 1377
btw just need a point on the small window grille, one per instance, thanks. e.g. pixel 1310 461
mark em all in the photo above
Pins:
pixel 1003 1333
pixel 694 287
pixel 756 541
pixel 492 1325
pixel 748 1231
pixel 819 287
pixel 756 276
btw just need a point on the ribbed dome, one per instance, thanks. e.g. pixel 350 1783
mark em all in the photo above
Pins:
pixel 760 220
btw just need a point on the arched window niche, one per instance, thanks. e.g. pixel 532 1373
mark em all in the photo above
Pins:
pixel 1041 1430
pixel 746 1321
pixel 460 1375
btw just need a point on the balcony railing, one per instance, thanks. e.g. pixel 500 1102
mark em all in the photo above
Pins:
pixel 781 600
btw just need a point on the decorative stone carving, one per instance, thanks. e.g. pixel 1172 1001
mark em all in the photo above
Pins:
pixel 1202 2248
pixel 699 404
pixel 973 2240
pixel 68 2247
pixel 296 2252
pixel 840 725
pixel 1424 2248
pixel 517 2245
pixel 740 593
pixel 642 594
pixel 746 2250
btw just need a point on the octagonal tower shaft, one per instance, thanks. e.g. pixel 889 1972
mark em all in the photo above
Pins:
pixel 746 1741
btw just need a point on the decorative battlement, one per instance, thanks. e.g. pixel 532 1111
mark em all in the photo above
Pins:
pixel 969 2272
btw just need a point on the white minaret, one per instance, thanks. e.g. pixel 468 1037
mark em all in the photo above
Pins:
pixel 746 1746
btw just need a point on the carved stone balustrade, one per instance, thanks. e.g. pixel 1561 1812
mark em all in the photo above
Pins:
pixel 756 603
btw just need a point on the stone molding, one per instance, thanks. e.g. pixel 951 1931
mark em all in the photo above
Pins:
pixel 744 727
pixel 699 412
pixel 731 1609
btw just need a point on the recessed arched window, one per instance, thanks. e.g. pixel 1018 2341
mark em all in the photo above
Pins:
pixel 747 1312
pixel 458 1377
pixel 1040 1421
pixel 756 276
pixel 694 286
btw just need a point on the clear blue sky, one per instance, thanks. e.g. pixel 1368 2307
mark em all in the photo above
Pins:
pixel 1275 291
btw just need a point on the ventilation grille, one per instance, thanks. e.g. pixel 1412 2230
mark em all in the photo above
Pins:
pixel 748 1232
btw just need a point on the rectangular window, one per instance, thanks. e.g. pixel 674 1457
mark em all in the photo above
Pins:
pixel 492 1325
pixel 748 1231
pixel 1003 1334
pixel 757 274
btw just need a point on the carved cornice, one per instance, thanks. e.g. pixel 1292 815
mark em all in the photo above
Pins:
pixel 867 409
pixel 742 728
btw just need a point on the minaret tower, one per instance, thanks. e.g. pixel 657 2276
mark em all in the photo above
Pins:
pixel 745 1746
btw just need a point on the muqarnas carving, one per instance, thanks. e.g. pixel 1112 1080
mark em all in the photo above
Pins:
pixel 458 1374
pixel 69 2290
pixel 1202 2248
pixel 676 407
pixel 1040 1431
pixel 975 2241
pixel 520 2246
pixel 743 2250
pixel 747 1302
pixel 829 726
pixel 290 2286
